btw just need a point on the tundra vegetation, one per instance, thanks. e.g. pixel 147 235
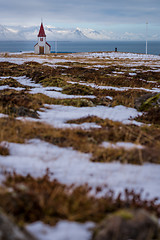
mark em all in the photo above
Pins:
pixel 118 82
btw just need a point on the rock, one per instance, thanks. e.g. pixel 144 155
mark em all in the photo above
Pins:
pixel 128 225
pixel 10 231
pixel 23 112
pixel 147 101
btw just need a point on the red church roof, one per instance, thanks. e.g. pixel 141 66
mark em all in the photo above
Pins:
pixel 48 44
pixel 41 31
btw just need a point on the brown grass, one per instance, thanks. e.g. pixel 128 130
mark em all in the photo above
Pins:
pixel 101 77
pixel 19 103
pixel 89 141
pixel 4 151
pixel 49 201
pixel 152 116
pixel 11 82
pixel 49 76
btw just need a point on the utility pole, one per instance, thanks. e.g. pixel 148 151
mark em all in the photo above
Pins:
pixel 55 46
pixel 146 37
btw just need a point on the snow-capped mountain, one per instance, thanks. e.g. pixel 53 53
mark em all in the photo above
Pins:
pixel 63 34
pixel 96 35
pixel 30 33
pixel 8 34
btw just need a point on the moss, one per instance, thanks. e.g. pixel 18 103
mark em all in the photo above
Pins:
pixel 20 111
pixel 124 214
pixel 19 103
pixel 150 103
pixel 53 82
pixel 76 89
pixel 76 102
pixel 11 82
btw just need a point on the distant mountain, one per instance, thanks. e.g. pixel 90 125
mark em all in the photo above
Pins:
pixel 8 34
pixel 62 34
pixel 96 35
pixel 30 33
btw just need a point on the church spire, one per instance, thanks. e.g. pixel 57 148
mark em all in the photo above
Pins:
pixel 41 31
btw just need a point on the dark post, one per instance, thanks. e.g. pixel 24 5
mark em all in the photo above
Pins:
pixel 115 49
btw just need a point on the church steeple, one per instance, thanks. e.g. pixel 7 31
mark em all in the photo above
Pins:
pixel 42 47
pixel 41 31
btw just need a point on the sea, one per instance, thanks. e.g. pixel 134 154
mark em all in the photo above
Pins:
pixel 84 46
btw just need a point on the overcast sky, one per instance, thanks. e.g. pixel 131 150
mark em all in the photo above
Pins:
pixel 111 15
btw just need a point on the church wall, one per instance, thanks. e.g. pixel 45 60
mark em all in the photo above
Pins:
pixel 36 49
pixel 47 49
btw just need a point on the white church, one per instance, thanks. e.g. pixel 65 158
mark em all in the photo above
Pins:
pixel 42 47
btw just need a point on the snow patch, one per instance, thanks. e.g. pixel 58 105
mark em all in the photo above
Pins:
pixel 125 145
pixel 64 230
pixel 72 167
pixel 58 115
pixel 93 85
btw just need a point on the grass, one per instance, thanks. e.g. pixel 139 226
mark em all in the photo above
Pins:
pixel 53 82
pixel 101 77
pixel 89 141
pixel 19 103
pixel 76 89
pixel 11 83
pixel 49 76
pixel 49 201
pixel 152 116
pixel 28 199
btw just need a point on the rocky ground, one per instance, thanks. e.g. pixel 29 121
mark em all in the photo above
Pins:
pixel 80 145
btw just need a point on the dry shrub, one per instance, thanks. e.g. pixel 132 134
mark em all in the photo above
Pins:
pixel 53 82
pixel 149 75
pixel 19 104
pixel 4 151
pixel 132 156
pixel 152 116
pixel 49 76
pixel 49 201
pixel 101 77
pixel 11 82
pixel 77 89
pixel 88 141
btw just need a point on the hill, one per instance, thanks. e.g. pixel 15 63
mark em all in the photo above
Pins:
pixel 79 141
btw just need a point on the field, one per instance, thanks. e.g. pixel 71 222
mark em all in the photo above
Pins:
pixel 79 139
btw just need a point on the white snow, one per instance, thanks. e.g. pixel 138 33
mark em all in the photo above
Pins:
pixel 125 145
pixel 3 115
pixel 109 97
pixel 21 60
pixel 64 230
pixel 117 72
pixel 132 74
pixel 120 55
pixel 13 88
pixel 72 167
pixel 58 115
pixel 93 85
pixel 53 92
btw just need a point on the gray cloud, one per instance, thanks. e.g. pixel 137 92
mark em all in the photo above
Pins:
pixel 96 12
